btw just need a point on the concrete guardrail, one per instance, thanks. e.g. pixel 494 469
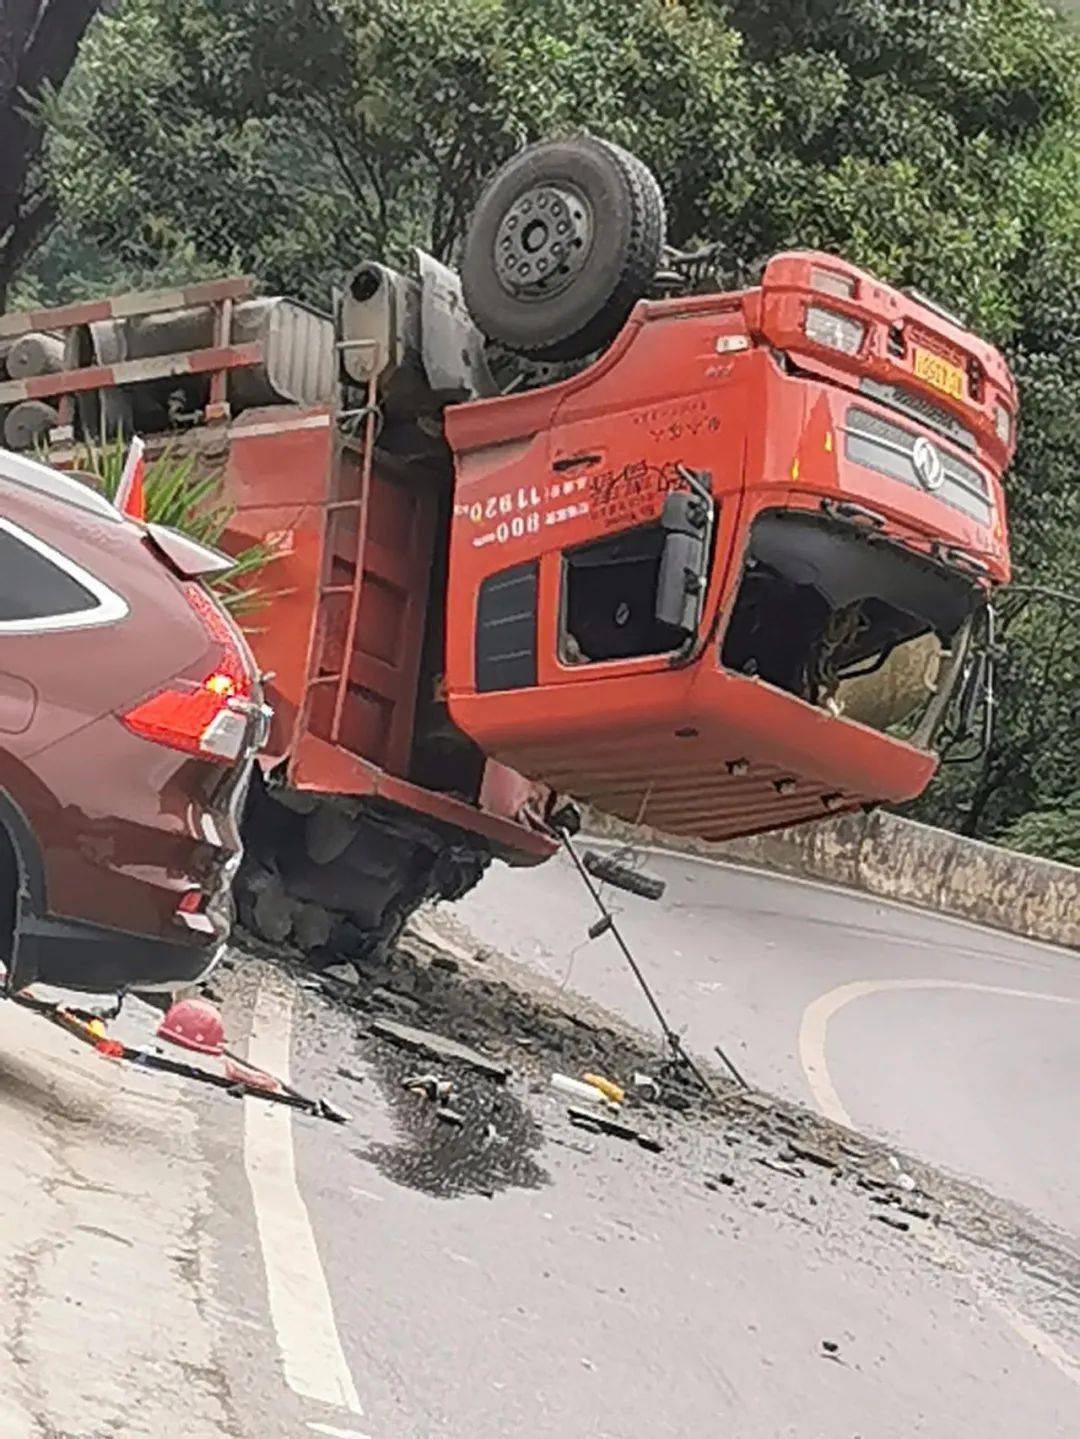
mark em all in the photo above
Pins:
pixel 897 859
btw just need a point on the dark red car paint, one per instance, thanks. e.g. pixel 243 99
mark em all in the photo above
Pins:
pixel 110 830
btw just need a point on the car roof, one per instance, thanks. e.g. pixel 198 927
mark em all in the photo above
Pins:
pixel 44 480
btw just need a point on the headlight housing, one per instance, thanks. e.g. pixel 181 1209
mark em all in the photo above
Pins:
pixel 833 329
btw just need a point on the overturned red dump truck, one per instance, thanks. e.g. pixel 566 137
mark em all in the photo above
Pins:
pixel 590 518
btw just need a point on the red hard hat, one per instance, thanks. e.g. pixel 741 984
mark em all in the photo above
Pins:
pixel 194 1024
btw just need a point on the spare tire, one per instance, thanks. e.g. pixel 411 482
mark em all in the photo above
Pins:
pixel 564 240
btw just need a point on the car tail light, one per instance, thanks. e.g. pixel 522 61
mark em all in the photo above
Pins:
pixel 837 331
pixel 208 717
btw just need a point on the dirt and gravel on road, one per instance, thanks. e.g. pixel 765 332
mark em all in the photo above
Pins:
pixel 482 1136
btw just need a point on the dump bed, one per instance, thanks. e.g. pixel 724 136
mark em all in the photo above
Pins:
pixel 349 623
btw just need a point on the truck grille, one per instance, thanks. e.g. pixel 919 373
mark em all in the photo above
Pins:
pixel 889 449
pixel 919 408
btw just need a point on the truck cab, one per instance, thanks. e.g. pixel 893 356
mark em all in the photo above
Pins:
pixel 726 577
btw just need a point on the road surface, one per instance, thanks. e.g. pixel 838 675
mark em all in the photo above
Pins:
pixel 179 1265
pixel 960 1045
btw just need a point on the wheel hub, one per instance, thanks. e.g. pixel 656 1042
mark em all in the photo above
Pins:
pixel 543 241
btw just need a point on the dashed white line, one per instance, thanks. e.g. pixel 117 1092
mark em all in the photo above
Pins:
pixel 300 1306
pixel 813 1034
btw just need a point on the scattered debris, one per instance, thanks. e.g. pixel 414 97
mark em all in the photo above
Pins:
pixel 915 1210
pixel 234 1078
pixel 903 1180
pixel 569 1144
pixel 646 1086
pixel 871 1183
pixel 854 1151
pixel 830 1346
pixel 716 1181
pixel 445 962
pixel 893 1223
pixel 189 1023
pixel 577 1089
pixel 813 1156
pixel 793 1171
pixel 247 1077
pixel 449 1116
pixel 429 1085
pixel 607 1087
pixel 437 1046
pixel 755 1100
pixel 390 999
pixel 343 973
pixel 785 1128
pixel 597 1122
pixel 729 1065
pixel 438 934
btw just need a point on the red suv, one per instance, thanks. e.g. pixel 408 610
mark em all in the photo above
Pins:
pixel 130 712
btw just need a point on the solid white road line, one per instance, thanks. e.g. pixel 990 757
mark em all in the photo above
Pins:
pixel 300 1305
pixel 813 1035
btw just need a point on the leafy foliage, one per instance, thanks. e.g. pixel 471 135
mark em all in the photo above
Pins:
pixel 1053 833
pixel 937 145
pixel 182 493
pixel 39 40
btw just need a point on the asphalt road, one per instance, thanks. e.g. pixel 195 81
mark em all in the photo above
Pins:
pixel 179 1265
pixel 958 1044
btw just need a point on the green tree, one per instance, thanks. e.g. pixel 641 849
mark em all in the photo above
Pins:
pixel 938 145
pixel 39 40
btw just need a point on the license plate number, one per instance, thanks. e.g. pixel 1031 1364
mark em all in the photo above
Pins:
pixel 946 377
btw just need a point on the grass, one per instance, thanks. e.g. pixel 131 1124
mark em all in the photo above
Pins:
pixel 181 493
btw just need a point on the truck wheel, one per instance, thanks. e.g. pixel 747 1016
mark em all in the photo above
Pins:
pixel 563 242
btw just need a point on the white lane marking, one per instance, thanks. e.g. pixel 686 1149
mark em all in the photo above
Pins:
pixel 815 1025
pixel 300 1305
pixel 337 1433
pixel 813 1034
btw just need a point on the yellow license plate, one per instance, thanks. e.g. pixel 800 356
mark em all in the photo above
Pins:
pixel 947 378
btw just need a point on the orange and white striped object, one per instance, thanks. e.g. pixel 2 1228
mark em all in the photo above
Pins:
pixel 130 497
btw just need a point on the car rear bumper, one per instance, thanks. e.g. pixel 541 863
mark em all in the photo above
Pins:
pixel 71 954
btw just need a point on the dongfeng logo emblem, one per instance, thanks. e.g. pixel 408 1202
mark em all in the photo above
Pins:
pixel 929 466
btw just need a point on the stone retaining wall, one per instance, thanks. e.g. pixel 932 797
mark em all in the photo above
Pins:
pixel 897 859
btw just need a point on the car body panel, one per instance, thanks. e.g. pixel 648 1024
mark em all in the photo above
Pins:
pixel 117 827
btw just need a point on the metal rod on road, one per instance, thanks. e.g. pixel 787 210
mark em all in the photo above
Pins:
pixel 674 1042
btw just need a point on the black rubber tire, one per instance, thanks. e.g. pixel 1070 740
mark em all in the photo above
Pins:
pixel 621 876
pixel 624 254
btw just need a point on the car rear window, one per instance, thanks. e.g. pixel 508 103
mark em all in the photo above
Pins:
pixel 42 589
